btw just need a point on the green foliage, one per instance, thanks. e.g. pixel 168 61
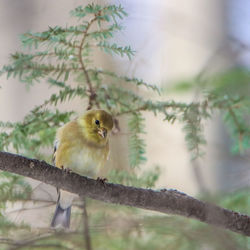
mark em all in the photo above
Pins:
pixel 125 79
pixel 121 51
pixel 238 200
pixel 103 13
pixel 59 56
pixel 12 188
pixel 35 131
pixel 136 143
pixel 193 128
pixel 236 117
pixel 229 93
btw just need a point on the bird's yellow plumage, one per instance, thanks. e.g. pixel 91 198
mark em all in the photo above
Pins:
pixel 81 146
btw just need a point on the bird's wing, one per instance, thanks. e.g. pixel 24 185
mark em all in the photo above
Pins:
pixel 56 145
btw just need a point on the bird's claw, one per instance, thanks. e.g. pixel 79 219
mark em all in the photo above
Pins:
pixel 102 180
pixel 66 170
pixel 163 190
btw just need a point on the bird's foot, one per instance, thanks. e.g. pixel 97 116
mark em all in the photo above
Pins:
pixel 163 190
pixel 102 180
pixel 66 170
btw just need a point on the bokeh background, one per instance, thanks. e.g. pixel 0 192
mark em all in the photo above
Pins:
pixel 174 41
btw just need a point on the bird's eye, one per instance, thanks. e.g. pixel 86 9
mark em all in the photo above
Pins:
pixel 97 122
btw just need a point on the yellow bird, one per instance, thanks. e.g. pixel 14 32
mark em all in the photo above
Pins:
pixel 82 146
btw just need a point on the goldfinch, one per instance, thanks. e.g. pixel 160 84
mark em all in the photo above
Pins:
pixel 82 146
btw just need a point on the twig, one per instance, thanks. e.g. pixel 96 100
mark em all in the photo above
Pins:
pixel 241 44
pixel 43 39
pixel 165 201
pixel 86 225
pixel 237 123
pixel 32 241
pixel 92 94
pixel 239 127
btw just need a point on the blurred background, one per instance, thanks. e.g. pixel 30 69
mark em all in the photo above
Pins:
pixel 174 41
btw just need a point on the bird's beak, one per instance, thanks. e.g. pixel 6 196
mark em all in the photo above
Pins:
pixel 102 132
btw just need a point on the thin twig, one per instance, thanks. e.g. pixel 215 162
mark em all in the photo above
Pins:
pixel 237 123
pixel 240 129
pixel 43 39
pixel 86 225
pixel 92 94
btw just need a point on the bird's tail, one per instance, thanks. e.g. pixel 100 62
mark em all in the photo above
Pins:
pixel 61 217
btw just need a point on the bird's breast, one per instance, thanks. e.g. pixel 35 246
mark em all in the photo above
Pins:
pixel 87 161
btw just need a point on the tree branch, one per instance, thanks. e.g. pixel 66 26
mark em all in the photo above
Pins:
pixel 165 201
pixel 92 94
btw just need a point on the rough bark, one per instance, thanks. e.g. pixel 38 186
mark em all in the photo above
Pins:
pixel 165 201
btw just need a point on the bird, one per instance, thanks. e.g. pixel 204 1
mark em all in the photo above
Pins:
pixel 82 146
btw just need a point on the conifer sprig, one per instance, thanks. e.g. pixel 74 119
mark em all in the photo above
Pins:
pixel 137 146
pixel 125 79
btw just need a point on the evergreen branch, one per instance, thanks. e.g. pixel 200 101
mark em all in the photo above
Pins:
pixel 194 131
pixel 238 123
pixel 138 82
pixel 162 107
pixel 164 201
pixel 92 96
pixel 61 54
pixel 104 34
pixel 115 49
pixel 235 110
pixel 235 119
pixel 112 11
pixel 75 30
pixel 102 13
pixel 6 124
pixel 117 98
pixel 29 38
pixel 136 143
pixel 190 114
pixel 41 124
pixel 28 71
pixel 66 94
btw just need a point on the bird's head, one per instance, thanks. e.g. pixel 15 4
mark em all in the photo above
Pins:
pixel 96 125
